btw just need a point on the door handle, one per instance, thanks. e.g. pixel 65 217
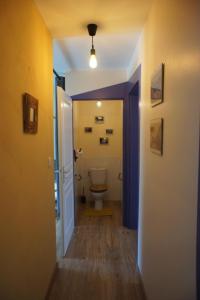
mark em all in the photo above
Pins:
pixel 78 177
pixel 120 177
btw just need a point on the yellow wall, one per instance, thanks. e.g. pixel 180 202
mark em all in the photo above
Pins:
pixel 27 254
pixel 168 189
pixel 96 155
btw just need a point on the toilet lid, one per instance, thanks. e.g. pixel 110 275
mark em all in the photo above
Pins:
pixel 98 188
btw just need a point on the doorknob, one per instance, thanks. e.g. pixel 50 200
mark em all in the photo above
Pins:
pixel 120 176
pixel 78 177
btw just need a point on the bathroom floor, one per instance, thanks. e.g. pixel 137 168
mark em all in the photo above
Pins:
pixel 100 263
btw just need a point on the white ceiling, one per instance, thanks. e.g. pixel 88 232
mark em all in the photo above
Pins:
pixel 119 25
pixel 113 51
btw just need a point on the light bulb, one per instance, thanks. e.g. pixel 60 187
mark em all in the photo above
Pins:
pixel 93 61
pixel 99 103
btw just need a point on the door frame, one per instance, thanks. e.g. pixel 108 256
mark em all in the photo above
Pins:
pixel 122 91
pixel 131 156
pixel 198 235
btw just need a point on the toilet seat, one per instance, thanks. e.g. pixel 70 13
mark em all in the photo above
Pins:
pixel 98 188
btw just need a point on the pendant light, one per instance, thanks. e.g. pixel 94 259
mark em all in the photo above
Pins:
pixel 92 29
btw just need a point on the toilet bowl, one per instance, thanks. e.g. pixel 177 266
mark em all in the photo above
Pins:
pixel 98 186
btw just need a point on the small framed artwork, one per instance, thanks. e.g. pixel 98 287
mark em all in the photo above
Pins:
pixel 99 119
pixel 109 131
pixel 157 86
pixel 30 114
pixel 104 141
pixel 88 129
pixel 156 136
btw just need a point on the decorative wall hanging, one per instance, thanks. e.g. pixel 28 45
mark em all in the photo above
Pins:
pixel 99 119
pixel 103 141
pixel 88 129
pixel 157 86
pixel 156 136
pixel 30 114
pixel 109 131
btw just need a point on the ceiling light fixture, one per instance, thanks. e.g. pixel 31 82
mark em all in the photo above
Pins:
pixel 92 29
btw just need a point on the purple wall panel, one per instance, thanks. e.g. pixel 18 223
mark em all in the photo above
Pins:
pixel 131 151
pixel 114 92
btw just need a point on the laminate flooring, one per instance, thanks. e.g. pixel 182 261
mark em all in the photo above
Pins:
pixel 100 263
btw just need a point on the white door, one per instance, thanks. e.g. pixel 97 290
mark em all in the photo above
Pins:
pixel 65 145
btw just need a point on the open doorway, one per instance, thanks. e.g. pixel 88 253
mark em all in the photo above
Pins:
pixel 98 141
pixel 130 93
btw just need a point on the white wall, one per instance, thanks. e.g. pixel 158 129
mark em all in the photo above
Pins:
pixel 168 186
pixel 60 62
pixel 78 82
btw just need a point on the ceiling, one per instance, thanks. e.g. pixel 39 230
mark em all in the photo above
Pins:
pixel 113 51
pixel 119 24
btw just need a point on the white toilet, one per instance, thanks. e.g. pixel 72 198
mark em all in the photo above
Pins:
pixel 98 187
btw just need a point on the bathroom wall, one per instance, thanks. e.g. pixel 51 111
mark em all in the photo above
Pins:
pixel 94 154
pixel 169 184
pixel 27 221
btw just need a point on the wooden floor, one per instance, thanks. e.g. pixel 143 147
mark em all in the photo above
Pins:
pixel 100 263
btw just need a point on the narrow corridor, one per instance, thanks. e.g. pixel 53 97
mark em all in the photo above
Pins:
pixel 100 263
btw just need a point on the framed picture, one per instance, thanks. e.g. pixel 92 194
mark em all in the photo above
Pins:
pixel 30 114
pixel 157 86
pixel 88 129
pixel 103 141
pixel 109 131
pixel 99 119
pixel 156 136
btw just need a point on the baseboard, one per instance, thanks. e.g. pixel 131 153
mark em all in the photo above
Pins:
pixel 144 295
pixel 53 276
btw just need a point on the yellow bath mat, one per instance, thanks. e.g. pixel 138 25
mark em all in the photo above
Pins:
pixel 91 212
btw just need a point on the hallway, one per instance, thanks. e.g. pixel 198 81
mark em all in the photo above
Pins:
pixel 147 54
pixel 100 262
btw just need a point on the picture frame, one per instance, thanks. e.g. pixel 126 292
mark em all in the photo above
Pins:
pixel 103 140
pixel 30 114
pixel 156 136
pixel 99 119
pixel 157 86
pixel 109 131
pixel 88 129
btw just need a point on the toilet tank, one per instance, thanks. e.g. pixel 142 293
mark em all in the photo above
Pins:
pixel 98 175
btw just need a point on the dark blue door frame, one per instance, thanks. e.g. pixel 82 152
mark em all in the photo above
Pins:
pixel 131 156
pixel 129 92
pixel 198 236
